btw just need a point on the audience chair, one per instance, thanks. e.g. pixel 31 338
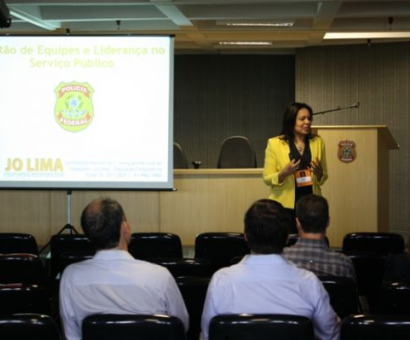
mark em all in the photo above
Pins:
pixel 260 327
pixel 374 242
pixel 193 290
pixel 155 245
pixel 180 161
pixel 369 268
pixel 20 298
pixel 343 295
pixel 375 327
pixel 29 326
pixel 126 327
pixel 22 268
pixel 397 268
pixel 73 256
pixel 185 267
pixel 220 248
pixel 394 299
pixel 292 239
pixel 11 243
pixel 62 243
pixel 237 152
pixel 236 260
pixel 292 228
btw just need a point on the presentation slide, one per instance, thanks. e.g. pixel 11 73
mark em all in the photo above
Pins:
pixel 86 112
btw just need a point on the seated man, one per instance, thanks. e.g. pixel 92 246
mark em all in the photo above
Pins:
pixel 113 282
pixel 265 282
pixel 311 250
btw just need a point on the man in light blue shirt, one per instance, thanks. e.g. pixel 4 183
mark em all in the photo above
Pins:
pixel 265 282
pixel 113 282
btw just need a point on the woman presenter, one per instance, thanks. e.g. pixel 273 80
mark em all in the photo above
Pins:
pixel 295 161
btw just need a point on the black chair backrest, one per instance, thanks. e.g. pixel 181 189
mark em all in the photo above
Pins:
pixel 343 294
pixel 394 299
pixel 18 243
pixel 155 245
pixel 236 259
pixel 375 327
pixel 369 268
pixel 397 268
pixel 125 327
pixel 28 326
pixel 193 290
pixel 20 298
pixel 185 266
pixel 62 243
pixel 220 248
pixel 74 256
pixel 180 161
pixel 381 243
pixel 260 327
pixel 237 152
pixel 292 239
pixel 22 268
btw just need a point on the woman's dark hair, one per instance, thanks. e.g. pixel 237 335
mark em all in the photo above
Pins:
pixel 289 120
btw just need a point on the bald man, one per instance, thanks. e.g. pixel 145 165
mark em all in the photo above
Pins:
pixel 113 282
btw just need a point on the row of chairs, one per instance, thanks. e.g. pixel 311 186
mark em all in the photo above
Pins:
pixel 212 251
pixel 193 276
pixel 218 248
pixel 382 243
pixel 222 327
pixel 343 293
pixel 394 299
pixel 234 152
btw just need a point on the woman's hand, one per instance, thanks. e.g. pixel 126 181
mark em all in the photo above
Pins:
pixel 289 169
pixel 316 167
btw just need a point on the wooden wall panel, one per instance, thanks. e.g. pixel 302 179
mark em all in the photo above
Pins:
pixel 26 211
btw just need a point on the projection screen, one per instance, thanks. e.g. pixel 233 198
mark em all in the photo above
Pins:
pixel 86 112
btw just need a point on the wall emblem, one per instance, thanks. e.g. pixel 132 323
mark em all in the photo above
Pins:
pixel 347 151
pixel 74 108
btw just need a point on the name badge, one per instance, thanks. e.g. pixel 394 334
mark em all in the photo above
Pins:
pixel 303 178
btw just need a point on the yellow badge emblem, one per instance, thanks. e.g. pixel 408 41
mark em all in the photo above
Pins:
pixel 74 108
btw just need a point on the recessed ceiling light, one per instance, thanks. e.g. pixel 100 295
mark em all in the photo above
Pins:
pixel 261 24
pixel 256 23
pixel 366 35
pixel 245 43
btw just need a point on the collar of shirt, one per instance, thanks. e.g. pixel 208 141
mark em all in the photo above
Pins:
pixel 304 242
pixel 113 254
pixel 262 259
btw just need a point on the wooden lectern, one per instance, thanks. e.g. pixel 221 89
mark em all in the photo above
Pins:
pixel 358 185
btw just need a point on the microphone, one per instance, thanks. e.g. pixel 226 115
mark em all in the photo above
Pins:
pixel 353 106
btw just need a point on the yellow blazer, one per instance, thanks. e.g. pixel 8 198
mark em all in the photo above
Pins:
pixel 277 156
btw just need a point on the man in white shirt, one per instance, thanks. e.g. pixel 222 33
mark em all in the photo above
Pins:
pixel 265 282
pixel 113 282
